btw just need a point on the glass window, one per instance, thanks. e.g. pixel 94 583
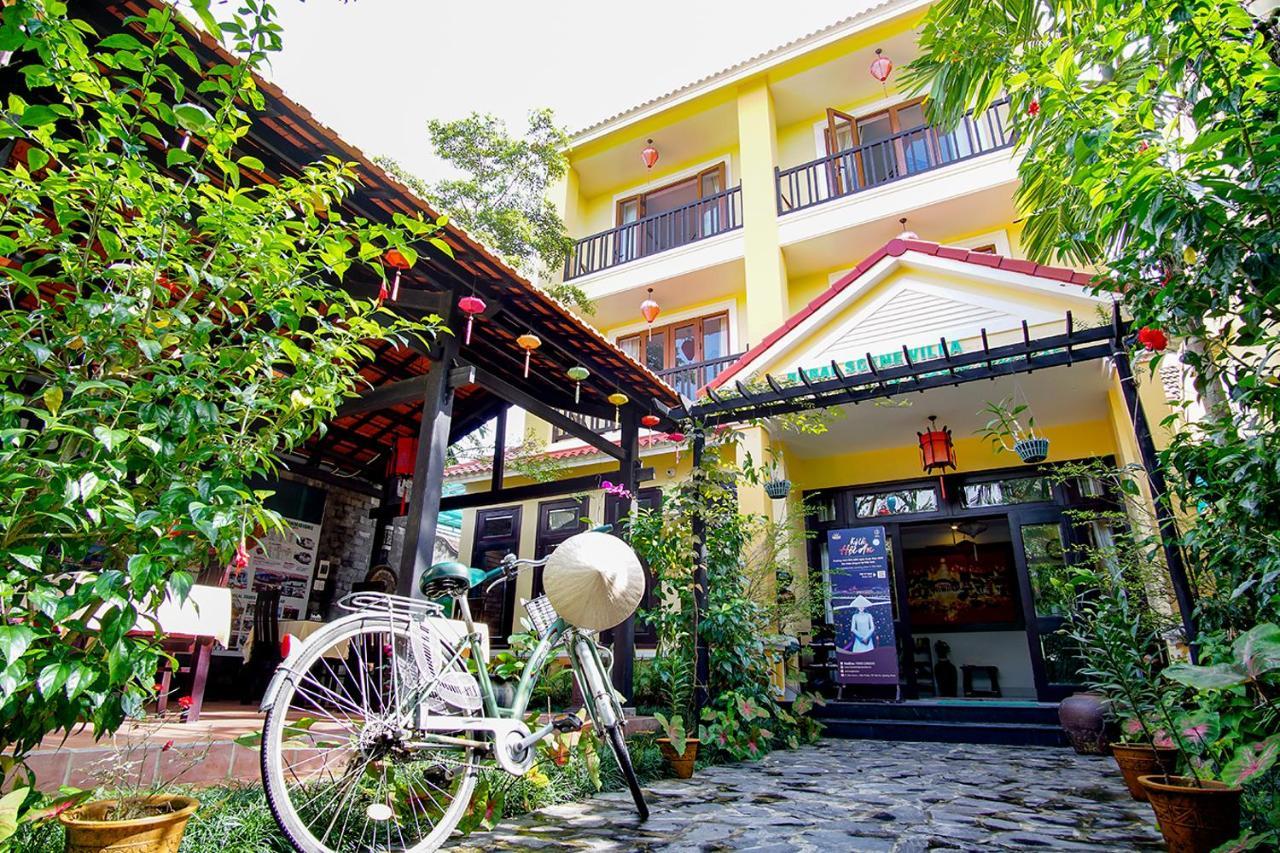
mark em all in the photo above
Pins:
pixel 686 345
pixel 655 350
pixel 715 337
pixel 823 506
pixel 562 519
pixel 496 525
pixel 897 502
pixel 1020 490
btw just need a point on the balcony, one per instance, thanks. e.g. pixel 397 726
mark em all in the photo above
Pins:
pixel 707 217
pixel 902 155
pixel 686 379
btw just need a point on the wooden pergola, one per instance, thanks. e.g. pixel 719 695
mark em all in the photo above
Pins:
pixel 440 392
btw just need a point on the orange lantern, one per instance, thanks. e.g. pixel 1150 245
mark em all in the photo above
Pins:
pixel 937 450
pixel 399 263
pixel 649 155
pixel 650 309
pixel 528 342
pixel 650 421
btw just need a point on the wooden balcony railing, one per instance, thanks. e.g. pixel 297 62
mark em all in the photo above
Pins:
pixel 909 152
pixel 695 221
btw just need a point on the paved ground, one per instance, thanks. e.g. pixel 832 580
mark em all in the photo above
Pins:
pixel 861 796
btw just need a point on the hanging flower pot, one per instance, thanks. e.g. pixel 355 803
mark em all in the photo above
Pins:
pixel 1032 450
pixel 777 489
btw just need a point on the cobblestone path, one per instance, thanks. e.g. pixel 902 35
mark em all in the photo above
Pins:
pixel 854 795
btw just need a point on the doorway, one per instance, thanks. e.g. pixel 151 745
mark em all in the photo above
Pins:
pixel 965 612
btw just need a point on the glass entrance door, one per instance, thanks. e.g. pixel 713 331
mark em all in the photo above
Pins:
pixel 1049 593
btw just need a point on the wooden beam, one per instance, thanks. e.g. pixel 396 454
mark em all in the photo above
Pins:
pixel 518 494
pixel 541 410
pixel 384 397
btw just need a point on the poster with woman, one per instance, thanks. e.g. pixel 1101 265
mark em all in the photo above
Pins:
pixel 861 606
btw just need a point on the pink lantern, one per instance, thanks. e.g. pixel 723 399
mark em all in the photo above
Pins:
pixel 881 66
pixel 649 155
pixel 678 439
pixel 471 306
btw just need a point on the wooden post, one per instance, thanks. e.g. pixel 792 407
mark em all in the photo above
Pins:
pixel 702 657
pixel 1169 535
pixel 499 450
pixel 624 636
pixel 428 471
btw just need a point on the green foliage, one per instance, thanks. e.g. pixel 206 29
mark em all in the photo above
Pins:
pixel 1004 428
pixel 166 333
pixel 673 729
pixel 500 193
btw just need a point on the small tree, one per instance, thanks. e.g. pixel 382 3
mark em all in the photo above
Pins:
pixel 500 194
pixel 165 334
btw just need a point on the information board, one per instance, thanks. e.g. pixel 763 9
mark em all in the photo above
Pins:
pixel 861 606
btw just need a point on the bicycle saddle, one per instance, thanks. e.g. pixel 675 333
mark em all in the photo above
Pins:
pixel 448 580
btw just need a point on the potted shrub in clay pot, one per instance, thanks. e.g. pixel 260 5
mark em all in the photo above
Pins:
pixel 680 751
pixel 1137 756
pixel 1006 432
pixel 142 814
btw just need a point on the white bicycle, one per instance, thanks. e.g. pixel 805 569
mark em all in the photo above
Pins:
pixel 377 724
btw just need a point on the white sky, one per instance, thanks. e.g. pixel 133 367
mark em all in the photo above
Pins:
pixel 376 70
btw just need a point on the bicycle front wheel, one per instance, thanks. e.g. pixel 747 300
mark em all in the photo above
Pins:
pixel 343 769
pixel 618 742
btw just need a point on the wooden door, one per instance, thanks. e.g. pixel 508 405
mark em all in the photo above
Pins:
pixel 841 136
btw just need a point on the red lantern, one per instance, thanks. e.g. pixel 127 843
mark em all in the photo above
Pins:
pixel 400 465
pixel 650 421
pixel 399 263
pixel 881 66
pixel 937 450
pixel 471 306
pixel 1155 340
pixel 678 439
pixel 649 155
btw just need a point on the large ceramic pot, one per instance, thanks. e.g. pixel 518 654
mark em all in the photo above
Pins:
pixel 1193 819
pixel 682 764
pixel 89 829
pixel 1143 759
pixel 1084 718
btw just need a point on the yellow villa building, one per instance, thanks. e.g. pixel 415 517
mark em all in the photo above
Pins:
pixel 794 217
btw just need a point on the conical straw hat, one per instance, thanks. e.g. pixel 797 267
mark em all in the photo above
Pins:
pixel 594 580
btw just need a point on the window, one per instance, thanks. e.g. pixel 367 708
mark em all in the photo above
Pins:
pixel 1020 490
pixel 896 502
pixel 557 521
pixel 680 344
pixel 688 220
pixel 497 534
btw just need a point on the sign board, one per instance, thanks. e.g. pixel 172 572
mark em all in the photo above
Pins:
pixel 861 606
pixel 894 358
pixel 282 559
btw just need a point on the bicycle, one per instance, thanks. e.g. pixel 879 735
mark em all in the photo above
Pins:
pixel 376 725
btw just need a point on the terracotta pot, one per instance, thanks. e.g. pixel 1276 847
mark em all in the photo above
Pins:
pixel 681 764
pixel 1193 820
pixel 1143 759
pixel 1084 718
pixel 88 832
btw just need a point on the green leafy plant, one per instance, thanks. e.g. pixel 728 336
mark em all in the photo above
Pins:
pixel 673 728
pixel 1005 428
pixel 167 331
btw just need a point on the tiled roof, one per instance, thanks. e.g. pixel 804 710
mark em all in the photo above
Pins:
pixel 577 451
pixel 738 66
pixel 898 247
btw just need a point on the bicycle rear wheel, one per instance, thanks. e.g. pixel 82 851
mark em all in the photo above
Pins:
pixel 340 764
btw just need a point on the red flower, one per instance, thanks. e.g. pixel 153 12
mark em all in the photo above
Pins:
pixel 241 559
pixel 1155 340
pixel 1143 146
pixel 1034 109
pixel 184 703
pixel 168 745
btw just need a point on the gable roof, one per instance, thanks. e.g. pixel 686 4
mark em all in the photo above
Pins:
pixel 898 248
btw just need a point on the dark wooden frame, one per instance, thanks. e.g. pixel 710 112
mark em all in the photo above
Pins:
pixel 546 539
pixel 669 346
pixel 479 543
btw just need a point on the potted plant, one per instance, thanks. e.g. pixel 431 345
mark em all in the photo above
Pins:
pixel 777 487
pixel 142 815
pixel 1137 753
pixel 1005 431
pixel 680 750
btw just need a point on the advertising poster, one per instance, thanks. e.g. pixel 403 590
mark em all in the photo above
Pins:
pixel 285 560
pixel 858 574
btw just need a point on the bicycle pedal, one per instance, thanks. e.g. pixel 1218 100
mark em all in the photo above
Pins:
pixel 566 723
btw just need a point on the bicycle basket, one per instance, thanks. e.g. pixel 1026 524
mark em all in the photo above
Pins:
pixel 396 605
pixel 541 614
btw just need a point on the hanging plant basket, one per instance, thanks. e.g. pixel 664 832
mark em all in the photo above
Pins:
pixel 1032 450
pixel 777 489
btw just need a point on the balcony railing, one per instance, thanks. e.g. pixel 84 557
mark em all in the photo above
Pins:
pixel 698 220
pixel 688 378
pixel 909 152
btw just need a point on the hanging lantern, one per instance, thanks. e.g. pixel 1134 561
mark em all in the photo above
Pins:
pixel 937 450
pixel 399 263
pixel 676 438
pixel 471 306
pixel 649 309
pixel 881 66
pixel 650 421
pixel 649 155
pixel 619 400
pixel 528 342
pixel 578 374
pixel 400 465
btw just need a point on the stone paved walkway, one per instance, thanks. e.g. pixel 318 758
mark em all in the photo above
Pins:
pixel 851 795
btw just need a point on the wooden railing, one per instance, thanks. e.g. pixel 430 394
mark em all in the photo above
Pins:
pixel 909 152
pixel 667 230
